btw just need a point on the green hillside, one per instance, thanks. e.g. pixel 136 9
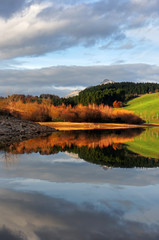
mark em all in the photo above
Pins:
pixel 146 106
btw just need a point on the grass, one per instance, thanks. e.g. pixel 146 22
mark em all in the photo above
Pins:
pixel 146 144
pixel 146 106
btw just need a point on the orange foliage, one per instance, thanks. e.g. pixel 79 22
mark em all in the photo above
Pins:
pixel 117 104
pixel 92 113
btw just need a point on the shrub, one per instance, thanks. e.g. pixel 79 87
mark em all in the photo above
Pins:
pixel 42 112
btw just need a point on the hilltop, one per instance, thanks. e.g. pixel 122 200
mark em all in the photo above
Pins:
pixel 76 92
pixel 107 81
pixel 109 91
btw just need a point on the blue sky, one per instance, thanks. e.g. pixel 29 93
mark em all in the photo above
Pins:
pixel 58 46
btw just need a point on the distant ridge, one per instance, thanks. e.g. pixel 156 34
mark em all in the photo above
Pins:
pixel 73 94
pixel 107 81
pixel 76 92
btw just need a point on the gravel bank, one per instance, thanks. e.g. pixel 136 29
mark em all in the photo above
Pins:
pixel 15 130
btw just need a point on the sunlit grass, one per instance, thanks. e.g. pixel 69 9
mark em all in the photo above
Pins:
pixel 146 106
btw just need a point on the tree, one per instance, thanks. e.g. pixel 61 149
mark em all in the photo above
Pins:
pixel 117 104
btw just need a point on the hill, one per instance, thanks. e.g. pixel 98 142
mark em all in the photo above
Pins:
pixel 104 94
pixel 93 104
pixel 146 106
pixel 76 92
pixel 108 93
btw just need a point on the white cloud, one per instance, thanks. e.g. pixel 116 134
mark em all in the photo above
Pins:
pixel 123 31
pixel 39 27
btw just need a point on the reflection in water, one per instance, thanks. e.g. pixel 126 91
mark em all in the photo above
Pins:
pixel 39 217
pixel 10 159
pixel 50 196
pixel 147 143
pixel 91 139
pixel 105 148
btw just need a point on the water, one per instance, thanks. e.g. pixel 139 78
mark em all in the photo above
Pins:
pixel 81 185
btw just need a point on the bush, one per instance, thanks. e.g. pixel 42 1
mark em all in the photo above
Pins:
pixel 43 112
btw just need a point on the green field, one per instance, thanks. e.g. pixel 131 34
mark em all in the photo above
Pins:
pixel 147 144
pixel 146 106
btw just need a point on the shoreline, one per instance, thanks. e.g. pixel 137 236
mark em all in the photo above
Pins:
pixel 68 126
pixel 15 130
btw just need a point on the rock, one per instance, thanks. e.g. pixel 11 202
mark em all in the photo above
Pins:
pixel 14 130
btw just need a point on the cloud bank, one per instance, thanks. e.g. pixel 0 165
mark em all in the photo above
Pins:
pixel 123 31
pixel 61 80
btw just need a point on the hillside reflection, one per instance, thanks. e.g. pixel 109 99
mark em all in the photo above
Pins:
pixel 66 139
pixel 104 147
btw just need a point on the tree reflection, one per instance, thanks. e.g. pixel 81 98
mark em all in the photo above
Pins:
pixel 106 148
pixel 67 139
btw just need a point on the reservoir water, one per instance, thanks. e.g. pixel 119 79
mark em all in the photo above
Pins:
pixel 83 185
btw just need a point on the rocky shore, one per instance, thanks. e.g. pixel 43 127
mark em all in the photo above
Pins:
pixel 14 130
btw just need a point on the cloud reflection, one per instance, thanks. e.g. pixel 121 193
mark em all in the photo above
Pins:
pixel 38 217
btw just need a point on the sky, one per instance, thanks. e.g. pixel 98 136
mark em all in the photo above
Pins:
pixel 50 46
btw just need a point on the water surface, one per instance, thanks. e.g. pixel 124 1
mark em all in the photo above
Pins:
pixel 81 185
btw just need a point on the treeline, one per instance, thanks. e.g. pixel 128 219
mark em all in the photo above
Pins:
pixel 49 98
pixel 97 96
pixel 93 104
pixel 108 93
pixel 92 113
pixel 100 94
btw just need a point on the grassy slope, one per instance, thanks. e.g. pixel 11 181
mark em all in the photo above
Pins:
pixel 146 144
pixel 146 106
